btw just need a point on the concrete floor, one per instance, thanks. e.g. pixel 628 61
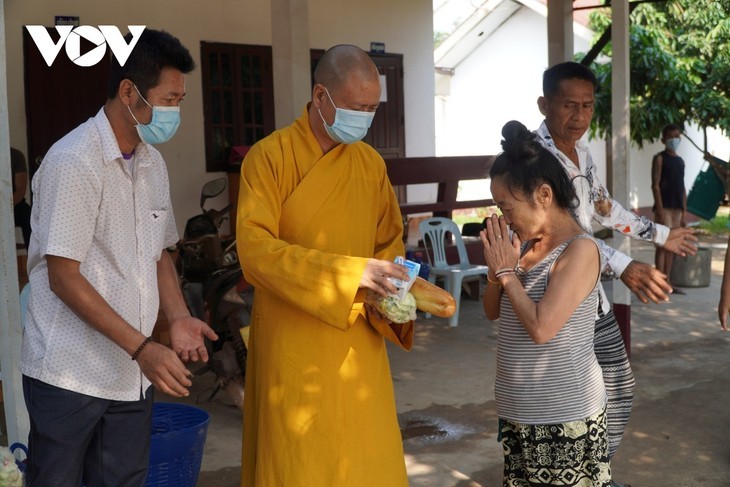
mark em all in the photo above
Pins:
pixel 677 436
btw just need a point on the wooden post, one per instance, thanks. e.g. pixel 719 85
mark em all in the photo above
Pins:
pixel 560 31
pixel 620 144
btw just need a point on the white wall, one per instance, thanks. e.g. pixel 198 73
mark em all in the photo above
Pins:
pixel 405 27
pixel 499 82
pixel 502 80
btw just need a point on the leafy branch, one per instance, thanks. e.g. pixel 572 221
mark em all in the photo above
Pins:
pixel 679 68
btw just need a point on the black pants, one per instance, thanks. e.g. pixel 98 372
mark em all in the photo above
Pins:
pixel 73 436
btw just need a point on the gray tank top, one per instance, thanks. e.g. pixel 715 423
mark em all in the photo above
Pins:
pixel 555 382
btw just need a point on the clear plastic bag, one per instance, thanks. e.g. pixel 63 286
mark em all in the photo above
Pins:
pixel 395 309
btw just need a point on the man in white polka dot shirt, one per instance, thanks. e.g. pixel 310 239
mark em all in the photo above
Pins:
pixel 99 273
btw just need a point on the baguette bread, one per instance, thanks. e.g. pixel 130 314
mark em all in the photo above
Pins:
pixel 432 299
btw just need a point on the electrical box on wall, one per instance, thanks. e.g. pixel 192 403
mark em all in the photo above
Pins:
pixel 377 47
pixel 66 20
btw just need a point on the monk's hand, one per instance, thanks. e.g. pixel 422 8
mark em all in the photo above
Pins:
pixel 647 283
pixel 681 241
pixel 375 313
pixel 376 274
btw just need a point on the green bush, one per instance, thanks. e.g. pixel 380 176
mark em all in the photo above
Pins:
pixel 473 215
pixel 716 226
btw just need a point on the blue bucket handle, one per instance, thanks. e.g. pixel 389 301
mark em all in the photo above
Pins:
pixel 162 425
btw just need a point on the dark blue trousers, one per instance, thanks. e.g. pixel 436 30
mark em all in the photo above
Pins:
pixel 74 436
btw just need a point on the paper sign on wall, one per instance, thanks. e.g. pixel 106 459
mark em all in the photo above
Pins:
pixel 383 88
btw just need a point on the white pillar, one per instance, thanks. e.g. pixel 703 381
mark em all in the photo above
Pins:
pixel 560 31
pixel 620 144
pixel 291 60
pixel 16 416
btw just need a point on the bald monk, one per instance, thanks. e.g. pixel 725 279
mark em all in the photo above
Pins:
pixel 318 226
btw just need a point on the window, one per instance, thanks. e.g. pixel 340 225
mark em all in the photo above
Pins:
pixel 238 99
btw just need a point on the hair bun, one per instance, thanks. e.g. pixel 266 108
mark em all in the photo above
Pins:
pixel 518 141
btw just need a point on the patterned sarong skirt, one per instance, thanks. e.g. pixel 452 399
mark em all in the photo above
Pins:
pixel 572 454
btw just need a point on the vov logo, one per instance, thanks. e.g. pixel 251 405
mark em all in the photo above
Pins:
pixel 71 38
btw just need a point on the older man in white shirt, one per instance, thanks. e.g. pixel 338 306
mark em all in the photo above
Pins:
pixel 567 104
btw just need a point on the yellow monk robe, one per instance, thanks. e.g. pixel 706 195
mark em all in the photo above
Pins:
pixel 319 409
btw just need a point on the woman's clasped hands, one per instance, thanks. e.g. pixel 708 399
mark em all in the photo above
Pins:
pixel 500 251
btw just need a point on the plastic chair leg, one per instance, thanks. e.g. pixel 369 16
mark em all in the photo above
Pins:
pixel 454 320
pixel 455 285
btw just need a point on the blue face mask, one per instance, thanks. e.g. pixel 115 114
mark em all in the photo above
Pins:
pixel 673 144
pixel 349 126
pixel 164 123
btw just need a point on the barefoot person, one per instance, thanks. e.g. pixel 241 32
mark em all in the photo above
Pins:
pixel 670 194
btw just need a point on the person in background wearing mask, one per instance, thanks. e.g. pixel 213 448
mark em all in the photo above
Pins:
pixel 670 194
pixel 99 273
pixel 318 226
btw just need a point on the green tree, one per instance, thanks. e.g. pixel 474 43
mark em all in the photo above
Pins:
pixel 679 67
pixel 439 37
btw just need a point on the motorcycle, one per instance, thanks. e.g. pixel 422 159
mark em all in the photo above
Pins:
pixel 214 289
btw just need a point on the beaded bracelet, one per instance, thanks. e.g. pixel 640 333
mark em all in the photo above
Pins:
pixel 139 349
pixel 504 272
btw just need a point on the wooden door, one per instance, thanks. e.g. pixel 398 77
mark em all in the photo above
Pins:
pixel 387 133
pixel 60 97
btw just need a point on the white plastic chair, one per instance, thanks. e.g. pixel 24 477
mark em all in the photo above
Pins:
pixel 434 232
